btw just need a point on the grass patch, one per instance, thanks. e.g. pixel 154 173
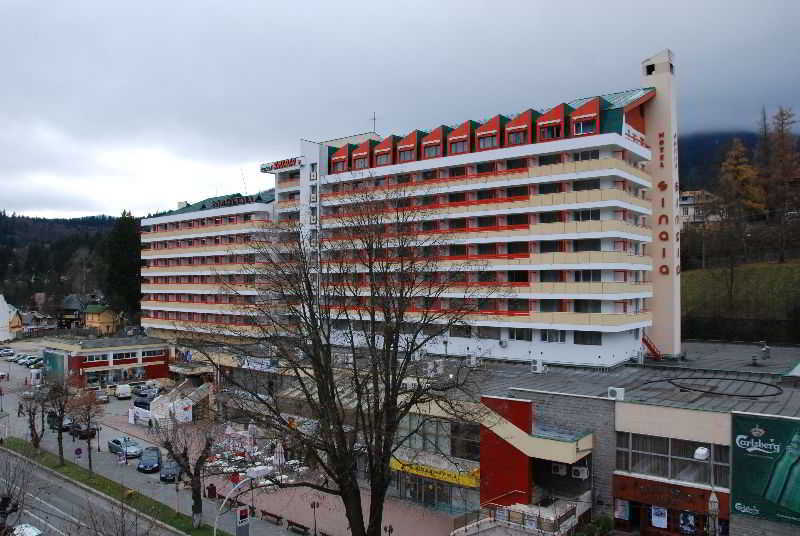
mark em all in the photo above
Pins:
pixel 761 291
pixel 135 500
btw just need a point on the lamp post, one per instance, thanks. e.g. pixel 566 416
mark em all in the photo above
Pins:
pixel 314 505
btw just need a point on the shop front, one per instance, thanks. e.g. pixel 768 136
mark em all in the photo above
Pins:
pixel 440 489
pixel 661 508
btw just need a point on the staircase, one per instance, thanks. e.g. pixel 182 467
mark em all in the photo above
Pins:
pixel 652 348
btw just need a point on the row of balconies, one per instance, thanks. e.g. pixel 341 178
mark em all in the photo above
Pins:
pixel 198 231
pixel 486 206
pixel 576 260
pixel 499 176
pixel 495 287
pixel 585 320
pixel 522 230
pixel 530 317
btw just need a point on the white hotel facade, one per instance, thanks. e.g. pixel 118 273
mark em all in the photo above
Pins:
pixel 571 212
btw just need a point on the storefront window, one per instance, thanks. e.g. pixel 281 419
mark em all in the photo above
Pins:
pixel 435 494
pixel 673 458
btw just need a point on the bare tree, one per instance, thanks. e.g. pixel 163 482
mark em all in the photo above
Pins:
pixel 189 444
pixel 57 398
pixel 118 520
pixel 33 411
pixel 349 313
pixel 86 411
pixel 14 484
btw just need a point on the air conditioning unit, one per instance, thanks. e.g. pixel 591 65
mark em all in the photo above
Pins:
pixel 503 343
pixel 616 393
pixel 538 366
pixel 473 361
pixel 581 473
pixel 559 469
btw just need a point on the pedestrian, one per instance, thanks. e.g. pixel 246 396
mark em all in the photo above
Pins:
pixel 19 410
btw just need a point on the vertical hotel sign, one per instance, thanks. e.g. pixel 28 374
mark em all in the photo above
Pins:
pixel 766 467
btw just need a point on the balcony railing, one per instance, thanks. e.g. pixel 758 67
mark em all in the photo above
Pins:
pixel 199 229
pixel 483 178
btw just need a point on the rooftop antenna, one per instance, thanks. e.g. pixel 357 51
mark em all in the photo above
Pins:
pixel 373 119
pixel 244 180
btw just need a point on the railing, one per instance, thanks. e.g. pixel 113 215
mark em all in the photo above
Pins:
pixel 205 227
pixel 491 515
pixel 288 184
pixel 537 171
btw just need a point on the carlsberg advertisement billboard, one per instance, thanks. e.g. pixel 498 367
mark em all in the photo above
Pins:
pixel 766 467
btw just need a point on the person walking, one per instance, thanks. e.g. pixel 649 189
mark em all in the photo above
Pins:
pixel 19 410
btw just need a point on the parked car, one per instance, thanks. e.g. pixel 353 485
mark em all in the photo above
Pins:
pixel 81 431
pixel 170 471
pixel 150 461
pixel 21 358
pixel 52 422
pixel 101 396
pixel 6 352
pixel 35 363
pixel 124 444
pixel 122 391
pixel 24 529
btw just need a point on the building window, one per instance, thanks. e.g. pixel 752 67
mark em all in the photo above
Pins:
pixel 382 159
pixel 458 147
pixel 461 331
pixel 431 151
pixel 430 174
pixel 517 219
pixel 589 184
pixel 360 163
pixel 587 276
pixel 673 459
pixel 517 138
pixel 520 334
pixel 591 338
pixel 485 167
pixel 460 171
pixel 550 133
pixel 587 306
pixel 405 156
pixel 338 166
pixel 587 244
pixel 554 335
pixel 517 163
pixel 549 159
pixel 487 142
pixel 685 211
pixel 586 215
pixel 585 127
pixel 586 155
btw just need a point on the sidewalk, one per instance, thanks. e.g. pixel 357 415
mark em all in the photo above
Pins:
pixel 293 504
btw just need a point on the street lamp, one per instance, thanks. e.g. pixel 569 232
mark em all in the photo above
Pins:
pixel 314 505
pixel 703 454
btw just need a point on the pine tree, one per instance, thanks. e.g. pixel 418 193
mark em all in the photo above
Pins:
pixel 122 282
pixel 784 170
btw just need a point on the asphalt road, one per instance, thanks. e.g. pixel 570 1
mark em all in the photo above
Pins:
pixel 107 464
pixel 60 508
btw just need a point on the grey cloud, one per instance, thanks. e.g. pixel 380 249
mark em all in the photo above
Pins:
pixel 231 82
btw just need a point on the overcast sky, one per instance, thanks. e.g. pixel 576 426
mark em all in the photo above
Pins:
pixel 106 106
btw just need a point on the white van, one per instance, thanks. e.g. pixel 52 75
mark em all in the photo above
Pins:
pixel 123 391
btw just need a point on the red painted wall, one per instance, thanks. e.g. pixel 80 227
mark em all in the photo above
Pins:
pixel 635 118
pixel 505 471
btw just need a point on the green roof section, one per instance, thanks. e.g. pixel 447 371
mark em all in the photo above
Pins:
pixel 267 196
pixel 96 308
pixel 612 101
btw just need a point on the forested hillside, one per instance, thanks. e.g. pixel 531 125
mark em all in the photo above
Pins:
pixel 54 256
pixel 701 155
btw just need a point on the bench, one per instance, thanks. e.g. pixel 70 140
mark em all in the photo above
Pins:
pixel 272 518
pixel 297 528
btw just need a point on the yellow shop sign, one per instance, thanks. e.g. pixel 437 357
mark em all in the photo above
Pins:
pixel 471 479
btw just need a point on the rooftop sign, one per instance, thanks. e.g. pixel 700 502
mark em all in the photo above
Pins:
pixel 243 200
pixel 280 164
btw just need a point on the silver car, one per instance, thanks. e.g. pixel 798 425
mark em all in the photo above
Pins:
pixel 125 444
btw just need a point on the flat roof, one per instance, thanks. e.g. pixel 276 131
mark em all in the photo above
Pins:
pixel 737 356
pixel 661 385
pixel 80 343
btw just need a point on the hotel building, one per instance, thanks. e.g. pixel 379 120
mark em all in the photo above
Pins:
pixel 572 211
pixel 193 259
